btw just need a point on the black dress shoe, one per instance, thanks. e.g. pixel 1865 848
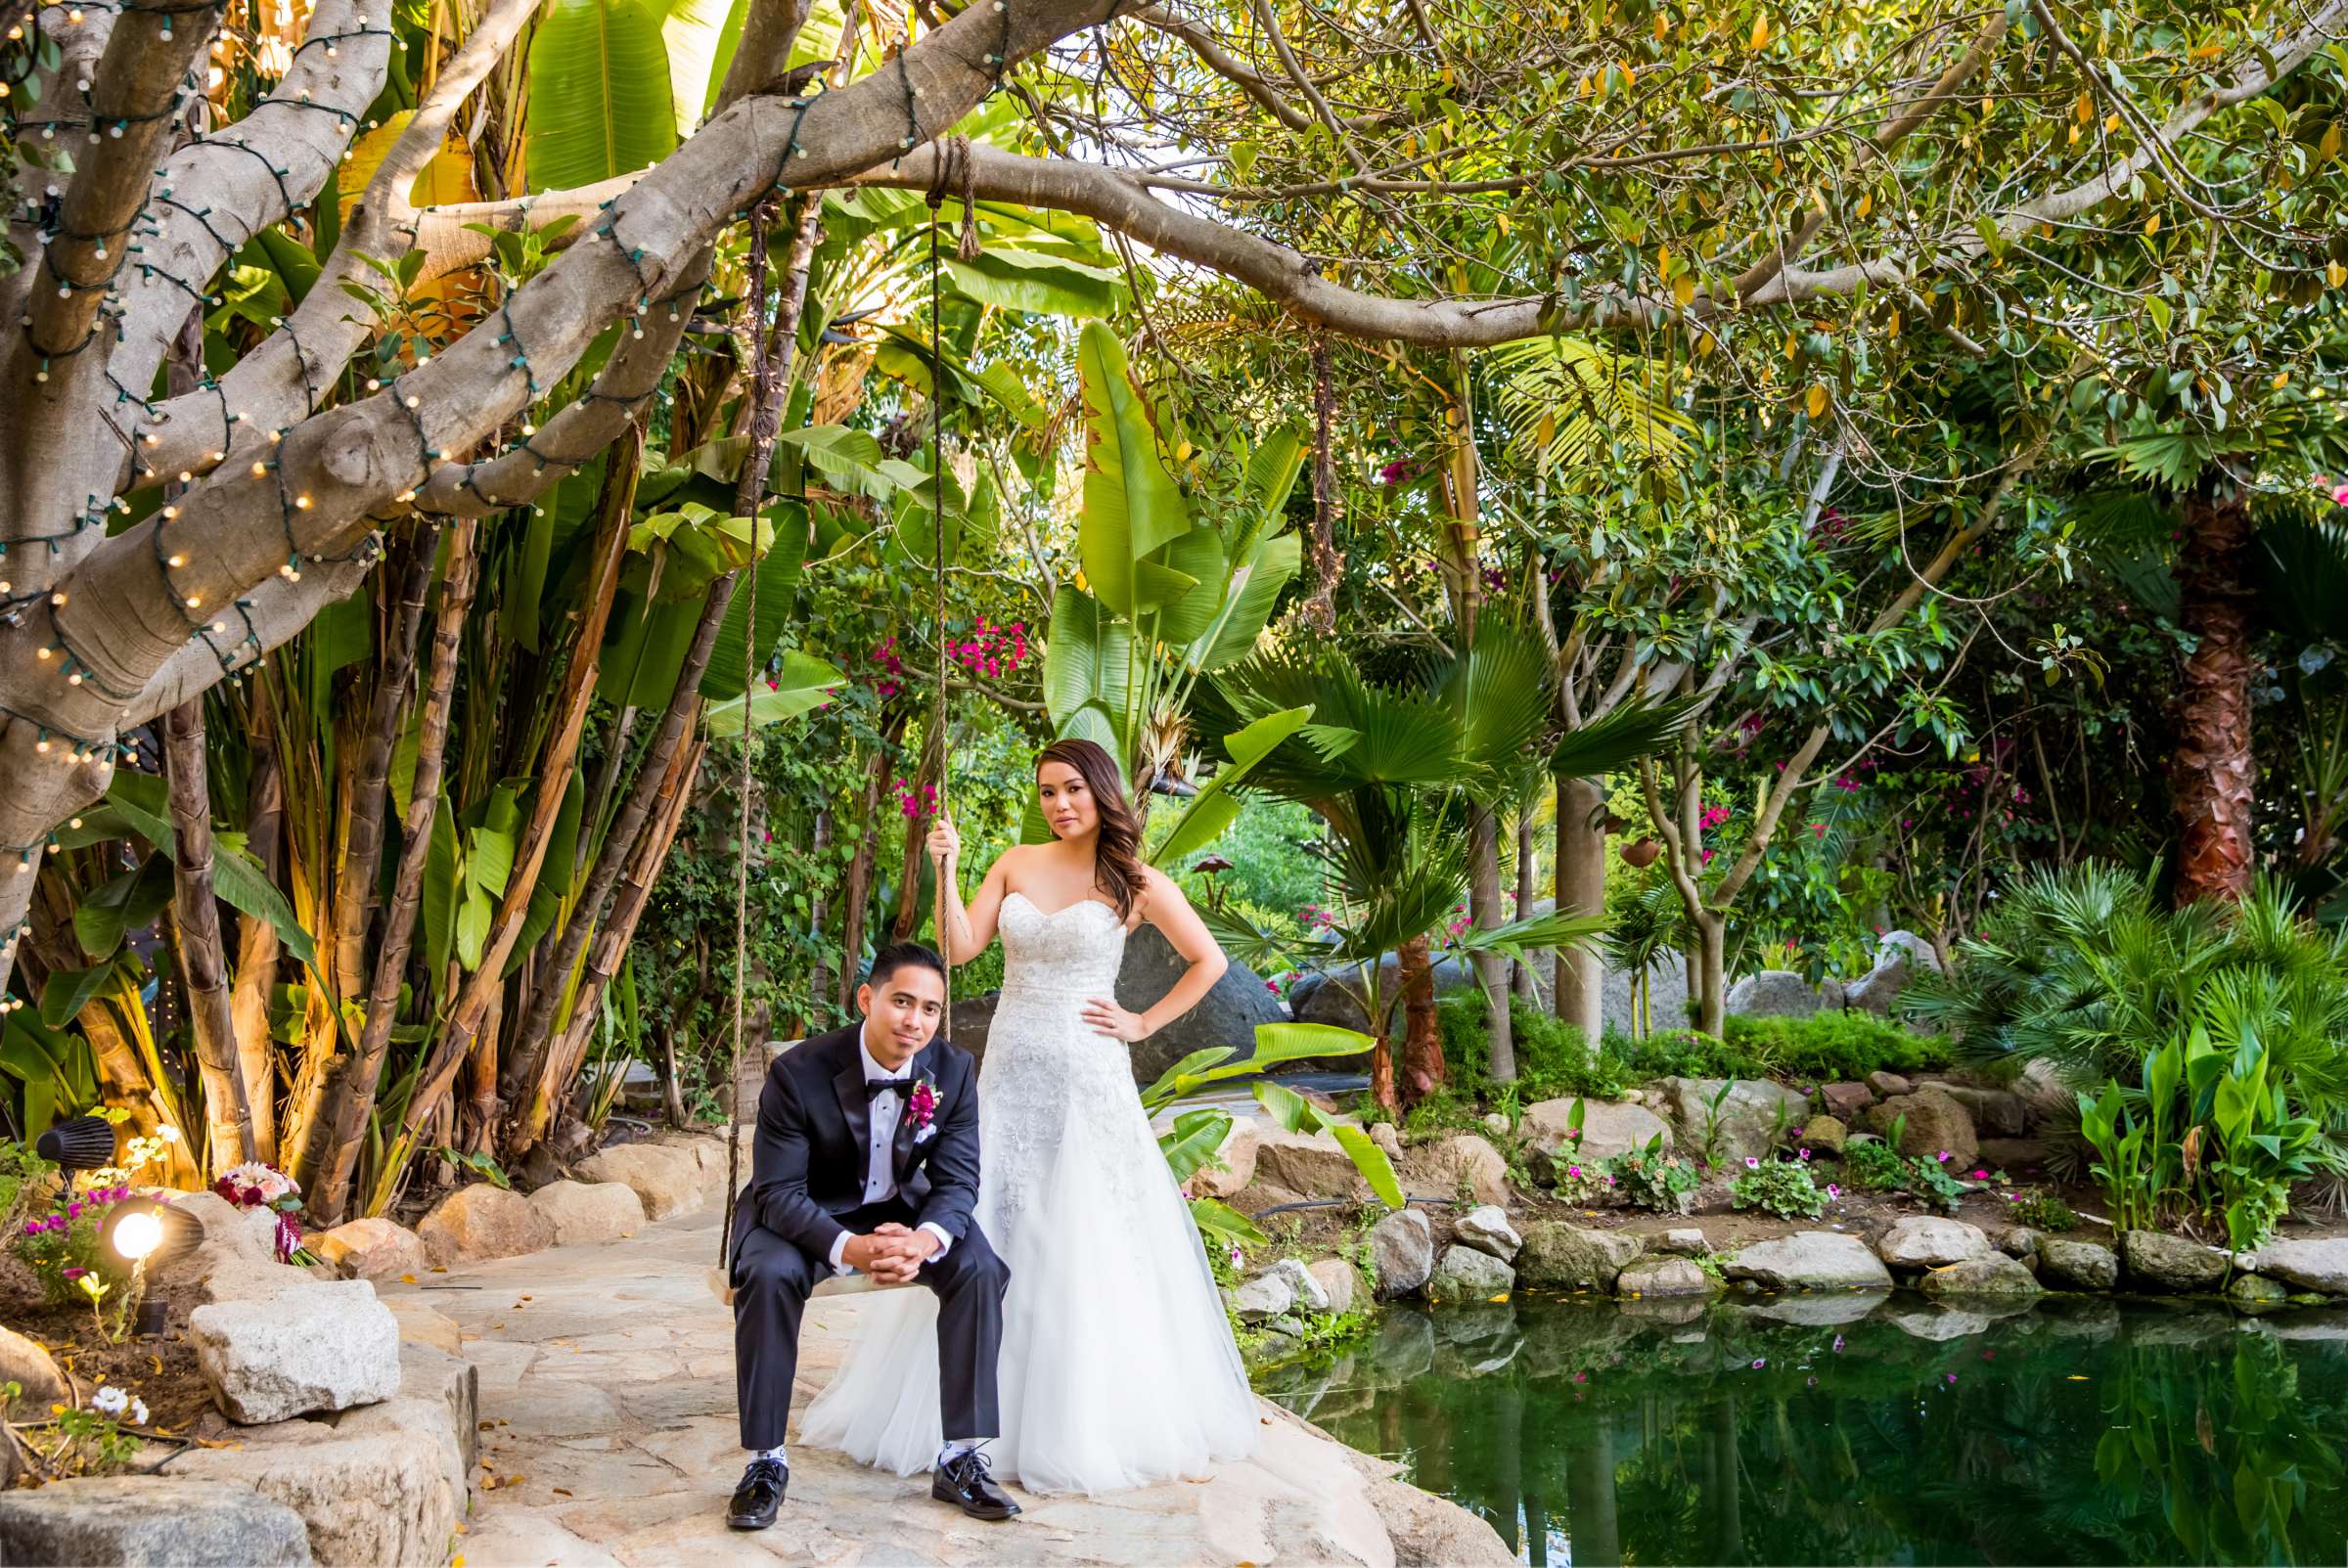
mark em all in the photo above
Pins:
pixel 964 1482
pixel 759 1494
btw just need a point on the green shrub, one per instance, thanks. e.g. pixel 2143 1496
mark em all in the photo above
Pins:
pixel 24 1177
pixel 1679 1053
pixel 1834 1047
pixel 1875 1166
pixel 2044 1211
pixel 1553 1062
pixel 1783 1187
pixel 1646 1178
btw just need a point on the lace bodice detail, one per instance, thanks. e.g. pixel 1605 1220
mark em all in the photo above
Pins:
pixel 1068 950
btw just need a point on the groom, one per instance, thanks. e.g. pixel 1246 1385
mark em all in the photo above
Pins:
pixel 866 1159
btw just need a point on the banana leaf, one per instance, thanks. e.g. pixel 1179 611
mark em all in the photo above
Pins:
pixel 1193 1140
pixel 1038 285
pixel 1220 1223
pixel 803 683
pixel 599 93
pixel 140 799
pixel 1132 508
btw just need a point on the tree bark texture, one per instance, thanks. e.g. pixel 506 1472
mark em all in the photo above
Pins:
pixel 196 915
pixel 1424 1069
pixel 2212 773
pixel 330 1196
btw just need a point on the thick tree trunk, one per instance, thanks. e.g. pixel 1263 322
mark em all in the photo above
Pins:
pixel 196 915
pixel 2212 773
pixel 1710 969
pixel 1423 1070
pixel 1581 890
pixel 330 1196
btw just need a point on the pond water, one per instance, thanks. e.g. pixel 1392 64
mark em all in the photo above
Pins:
pixel 1859 1428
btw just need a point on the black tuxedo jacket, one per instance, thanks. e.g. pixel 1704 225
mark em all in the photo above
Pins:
pixel 814 1144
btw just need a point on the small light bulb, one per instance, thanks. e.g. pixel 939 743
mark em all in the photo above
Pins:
pixel 178 561
pixel 42 746
pixel 57 599
pixel 196 601
pixel 259 469
pixel 74 679
pixel 413 401
pixel 45 655
pixel 168 513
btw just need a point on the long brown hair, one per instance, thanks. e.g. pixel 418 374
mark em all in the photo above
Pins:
pixel 1116 852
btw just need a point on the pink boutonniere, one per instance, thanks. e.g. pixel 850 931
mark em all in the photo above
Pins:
pixel 922 1104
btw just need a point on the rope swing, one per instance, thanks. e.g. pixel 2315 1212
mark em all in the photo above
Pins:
pixel 953 150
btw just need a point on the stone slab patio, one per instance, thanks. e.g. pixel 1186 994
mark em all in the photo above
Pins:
pixel 607 1399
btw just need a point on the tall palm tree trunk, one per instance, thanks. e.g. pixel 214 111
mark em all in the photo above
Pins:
pixel 1423 1066
pixel 2212 771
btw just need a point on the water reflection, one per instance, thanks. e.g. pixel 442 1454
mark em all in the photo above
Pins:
pixel 1859 1428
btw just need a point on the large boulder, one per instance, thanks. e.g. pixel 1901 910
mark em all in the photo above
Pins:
pixel 1658 1275
pixel 1340 1283
pixel 1772 994
pixel 666 1178
pixel 2065 1265
pixel 1403 1244
pixel 2157 1261
pixel 1991 1274
pixel 1566 1257
pixel 1608 1127
pixel 483 1220
pixel 1461 1163
pixel 589 1211
pixel 1931 1124
pixel 329 1347
pixel 27 1365
pixel 1303 1288
pixel 1751 1117
pixel 1996 1112
pixel 1227 1015
pixel 149 1521
pixel 1666 995
pixel 1844 1101
pixel 1928 1241
pixel 2311 1265
pixel 1238 1152
pixel 1809 1259
pixel 372 1248
pixel 1323 999
pixel 1899 957
pixel 386 1484
pixel 1824 1135
pixel 1261 1299
pixel 1311 1165
pixel 1464 1273
pixel 1486 1229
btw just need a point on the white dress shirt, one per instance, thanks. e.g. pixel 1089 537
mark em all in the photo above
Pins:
pixel 879 1174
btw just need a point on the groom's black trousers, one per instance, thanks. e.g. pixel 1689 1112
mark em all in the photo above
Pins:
pixel 772 1279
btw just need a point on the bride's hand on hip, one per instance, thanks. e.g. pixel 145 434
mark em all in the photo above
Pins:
pixel 945 844
pixel 1103 1014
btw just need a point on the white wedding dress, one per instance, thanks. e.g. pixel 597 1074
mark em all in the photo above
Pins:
pixel 1117 1367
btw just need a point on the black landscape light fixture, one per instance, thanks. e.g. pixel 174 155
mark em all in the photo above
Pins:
pixel 82 1143
pixel 144 1232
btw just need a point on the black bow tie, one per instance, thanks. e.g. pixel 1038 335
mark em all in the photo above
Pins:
pixel 875 1088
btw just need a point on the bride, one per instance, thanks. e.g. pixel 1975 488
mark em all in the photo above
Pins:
pixel 1117 1367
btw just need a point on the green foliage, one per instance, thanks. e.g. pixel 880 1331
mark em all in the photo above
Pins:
pixel 25 1176
pixel 1783 1187
pixel 1878 1166
pixel 2207 1038
pixel 1832 1046
pixel 1645 1178
pixel 60 1246
pixel 2044 1211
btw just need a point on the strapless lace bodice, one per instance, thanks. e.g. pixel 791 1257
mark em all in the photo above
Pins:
pixel 1074 950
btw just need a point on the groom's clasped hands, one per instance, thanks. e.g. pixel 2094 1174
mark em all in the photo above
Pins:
pixel 892 1255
